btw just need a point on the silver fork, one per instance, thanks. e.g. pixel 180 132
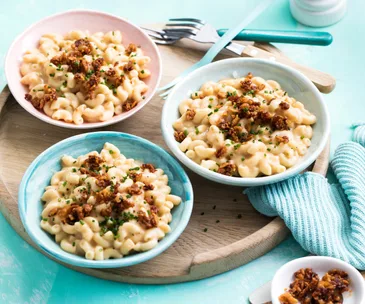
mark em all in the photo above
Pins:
pixel 193 29
pixel 207 33
pixel 199 31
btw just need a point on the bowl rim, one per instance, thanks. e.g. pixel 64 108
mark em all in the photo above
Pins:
pixel 337 263
pixel 246 181
pixel 128 260
pixel 86 125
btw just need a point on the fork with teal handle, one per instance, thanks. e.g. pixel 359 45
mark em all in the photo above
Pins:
pixel 202 32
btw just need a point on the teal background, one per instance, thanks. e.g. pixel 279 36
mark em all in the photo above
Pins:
pixel 26 276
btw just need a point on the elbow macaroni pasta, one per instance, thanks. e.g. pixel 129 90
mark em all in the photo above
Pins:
pixel 245 127
pixel 49 67
pixel 76 204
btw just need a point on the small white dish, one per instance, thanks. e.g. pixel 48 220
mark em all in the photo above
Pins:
pixel 320 265
pixel 295 83
pixel 63 23
pixel 318 13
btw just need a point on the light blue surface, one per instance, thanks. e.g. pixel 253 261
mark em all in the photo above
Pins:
pixel 294 82
pixel 325 219
pixel 26 276
pixel 41 170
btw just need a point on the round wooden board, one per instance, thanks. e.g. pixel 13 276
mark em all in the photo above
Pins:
pixel 232 242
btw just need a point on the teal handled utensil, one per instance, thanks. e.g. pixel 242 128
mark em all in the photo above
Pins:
pixel 218 46
pixel 293 37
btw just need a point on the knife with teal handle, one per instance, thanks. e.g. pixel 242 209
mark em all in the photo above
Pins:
pixel 295 37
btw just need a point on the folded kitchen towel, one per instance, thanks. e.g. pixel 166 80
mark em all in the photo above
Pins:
pixel 325 219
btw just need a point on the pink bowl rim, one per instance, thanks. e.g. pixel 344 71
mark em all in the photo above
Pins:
pixel 91 125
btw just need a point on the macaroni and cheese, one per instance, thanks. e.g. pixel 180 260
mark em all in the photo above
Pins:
pixel 84 78
pixel 244 127
pixel 105 206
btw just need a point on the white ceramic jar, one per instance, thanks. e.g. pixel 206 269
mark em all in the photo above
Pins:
pixel 318 13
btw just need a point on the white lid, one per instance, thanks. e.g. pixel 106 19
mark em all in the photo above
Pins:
pixel 318 13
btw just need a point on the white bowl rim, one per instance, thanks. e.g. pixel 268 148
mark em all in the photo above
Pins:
pixel 337 263
pixel 89 125
pixel 246 181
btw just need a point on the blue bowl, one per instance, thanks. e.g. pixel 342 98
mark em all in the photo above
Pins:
pixel 39 173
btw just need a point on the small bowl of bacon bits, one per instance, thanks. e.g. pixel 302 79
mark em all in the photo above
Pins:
pixel 83 69
pixel 317 280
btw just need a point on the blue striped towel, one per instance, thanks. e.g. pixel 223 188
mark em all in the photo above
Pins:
pixel 325 219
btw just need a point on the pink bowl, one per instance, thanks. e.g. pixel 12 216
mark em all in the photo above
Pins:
pixel 62 23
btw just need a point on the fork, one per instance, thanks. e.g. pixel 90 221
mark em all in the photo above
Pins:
pixel 201 32
pixel 219 44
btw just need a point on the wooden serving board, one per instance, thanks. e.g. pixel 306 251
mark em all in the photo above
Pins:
pixel 236 232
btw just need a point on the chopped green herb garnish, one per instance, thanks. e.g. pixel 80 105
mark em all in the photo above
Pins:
pixel 134 169
pixel 82 222
pixel 196 131
pixel 52 74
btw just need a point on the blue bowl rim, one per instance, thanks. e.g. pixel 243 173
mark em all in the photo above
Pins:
pixel 137 258
pixel 247 181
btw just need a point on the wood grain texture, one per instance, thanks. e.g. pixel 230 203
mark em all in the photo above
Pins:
pixel 323 81
pixel 227 244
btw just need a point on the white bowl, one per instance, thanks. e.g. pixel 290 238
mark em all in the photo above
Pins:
pixel 292 81
pixel 62 23
pixel 320 265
